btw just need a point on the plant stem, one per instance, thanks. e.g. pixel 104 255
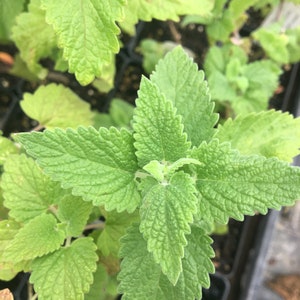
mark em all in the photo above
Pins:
pixel 97 225
pixel 34 297
pixel 38 127
pixel 175 34
pixel 68 241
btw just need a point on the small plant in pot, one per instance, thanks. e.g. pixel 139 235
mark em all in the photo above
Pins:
pixel 89 212
pixel 91 209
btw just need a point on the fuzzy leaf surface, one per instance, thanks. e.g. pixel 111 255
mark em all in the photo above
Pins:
pixel 27 191
pixel 233 185
pixel 87 32
pixel 57 106
pixel 166 211
pixel 38 237
pixel 98 165
pixel 67 273
pixel 8 12
pixel 158 130
pixel 136 10
pixel 269 133
pixel 179 79
pixel 141 278
pixel 34 38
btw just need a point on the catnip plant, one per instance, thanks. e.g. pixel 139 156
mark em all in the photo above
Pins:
pixel 90 209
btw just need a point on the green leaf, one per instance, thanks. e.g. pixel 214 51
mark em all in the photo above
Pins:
pixel 166 211
pixel 141 278
pixel 106 82
pixel 32 24
pixel 262 77
pixel 7 147
pixel 74 212
pixel 87 33
pixel 217 58
pixel 274 43
pixel 162 10
pixel 158 130
pixel 247 86
pixel 120 115
pixel 153 51
pixel 21 69
pixel 28 192
pixel 161 171
pixel 180 81
pixel 67 273
pixel 8 270
pixel 3 210
pixel 269 133
pixel 221 27
pixel 99 165
pixel 8 12
pixel 115 227
pixel 237 7
pixel 38 237
pixel 293 44
pixel 104 287
pixel 233 185
pixel 57 106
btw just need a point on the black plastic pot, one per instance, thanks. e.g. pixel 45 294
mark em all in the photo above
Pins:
pixel 219 288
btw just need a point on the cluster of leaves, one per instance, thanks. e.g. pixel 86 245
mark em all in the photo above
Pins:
pixel 158 185
pixel 71 33
pixel 280 45
pixel 229 73
pixel 247 87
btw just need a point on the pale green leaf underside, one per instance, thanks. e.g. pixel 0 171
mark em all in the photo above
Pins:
pixel 74 212
pixel 158 130
pixel 162 10
pixel 67 273
pixel 179 79
pixel 166 211
pixel 8 12
pixel 28 192
pixel 232 185
pixel 87 33
pixel 97 165
pixel 34 38
pixel 57 106
pixel 38 237
pixel 141 278
pixel 269 133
